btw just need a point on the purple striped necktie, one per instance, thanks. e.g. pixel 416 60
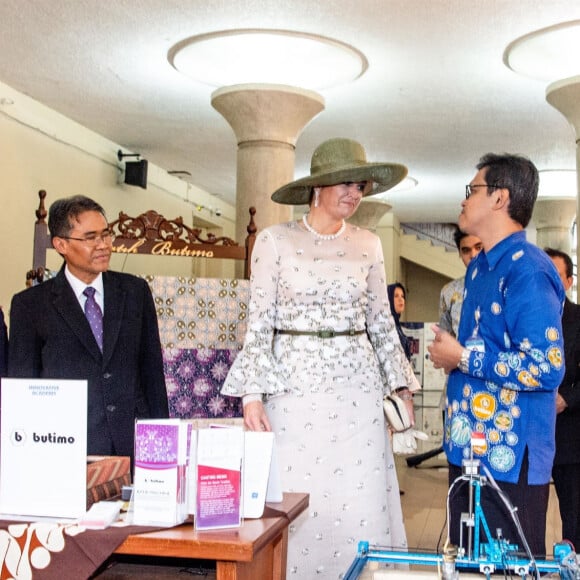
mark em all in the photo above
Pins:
pixel 94 315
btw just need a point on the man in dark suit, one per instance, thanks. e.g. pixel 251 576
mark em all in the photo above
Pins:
pixel 51 336
pixel 566 470
pixel 3 345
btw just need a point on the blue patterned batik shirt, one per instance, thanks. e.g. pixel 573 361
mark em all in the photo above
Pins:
pixel 512 312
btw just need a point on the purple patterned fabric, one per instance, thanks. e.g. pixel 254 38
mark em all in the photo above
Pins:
pixel 200 312
pixel 194 378
pixel 202 325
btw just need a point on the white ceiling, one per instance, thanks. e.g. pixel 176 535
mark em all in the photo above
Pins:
pixel 436 95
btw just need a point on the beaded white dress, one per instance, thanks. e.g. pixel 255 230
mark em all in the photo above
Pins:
pixel 323 396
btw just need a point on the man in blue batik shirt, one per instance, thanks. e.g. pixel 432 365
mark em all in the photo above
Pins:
pixel 507 362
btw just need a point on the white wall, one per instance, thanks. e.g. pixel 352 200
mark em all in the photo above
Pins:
pixel 423 291
pixel 41 149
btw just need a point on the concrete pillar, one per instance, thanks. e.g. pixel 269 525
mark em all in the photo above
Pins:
pixel 564 96
pixel 553 218
pixel 369 213
pixel 389 231
pixel 267 120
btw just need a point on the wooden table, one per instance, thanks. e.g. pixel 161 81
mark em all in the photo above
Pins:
pixel 256 550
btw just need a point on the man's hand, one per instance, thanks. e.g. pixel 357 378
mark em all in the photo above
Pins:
pixel 560 403
pixel 255 418
pixel 444 351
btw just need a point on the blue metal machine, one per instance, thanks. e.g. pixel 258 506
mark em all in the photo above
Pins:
pixel 493 555
pixel 564 563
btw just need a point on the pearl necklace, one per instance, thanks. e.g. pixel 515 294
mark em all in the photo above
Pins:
pixel 323 236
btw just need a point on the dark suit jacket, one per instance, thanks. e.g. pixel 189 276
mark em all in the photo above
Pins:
pixel 51 338
pixel 3 346
pixel 568 422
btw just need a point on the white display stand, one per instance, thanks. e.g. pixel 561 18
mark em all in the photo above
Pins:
pixel 43 465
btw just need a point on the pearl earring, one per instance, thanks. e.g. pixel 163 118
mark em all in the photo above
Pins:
pixel 316 194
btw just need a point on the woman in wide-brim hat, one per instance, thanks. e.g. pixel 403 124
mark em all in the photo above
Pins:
pixel 337 166
pixel 320 352
pixel 337 161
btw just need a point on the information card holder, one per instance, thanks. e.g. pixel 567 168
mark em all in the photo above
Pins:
pixel 260 477
pixel 43 437
pixel 256 472
pixel 161 457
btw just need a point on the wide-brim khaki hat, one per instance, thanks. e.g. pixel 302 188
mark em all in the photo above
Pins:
pixel 338 161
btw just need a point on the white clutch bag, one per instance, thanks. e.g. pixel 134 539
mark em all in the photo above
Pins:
pixel 405 442
pixel 396 413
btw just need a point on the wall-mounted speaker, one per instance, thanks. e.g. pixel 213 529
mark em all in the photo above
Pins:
pixel 136 173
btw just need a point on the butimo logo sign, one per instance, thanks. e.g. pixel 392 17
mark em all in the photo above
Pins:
pixel 19 437
pixel 53 438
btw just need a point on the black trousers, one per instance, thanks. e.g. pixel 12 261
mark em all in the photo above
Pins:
pixel 567 484
pixel 531 501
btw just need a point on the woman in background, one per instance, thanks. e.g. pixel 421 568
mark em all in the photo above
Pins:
pixel 397 301
pixel 320 352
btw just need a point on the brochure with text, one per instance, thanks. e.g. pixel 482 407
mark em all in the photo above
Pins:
pixel 219 478
pixel 161 457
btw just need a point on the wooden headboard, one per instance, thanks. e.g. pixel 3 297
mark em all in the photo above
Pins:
pixel 149 233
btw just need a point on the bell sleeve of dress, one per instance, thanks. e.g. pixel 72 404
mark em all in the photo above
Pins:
pixel 255 370
pixel 395 368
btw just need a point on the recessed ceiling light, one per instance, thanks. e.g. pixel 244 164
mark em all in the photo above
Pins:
pixel 407 183
pixel 548 54
pixel 233 57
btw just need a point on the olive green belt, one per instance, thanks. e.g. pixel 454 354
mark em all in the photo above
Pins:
pixel 320 333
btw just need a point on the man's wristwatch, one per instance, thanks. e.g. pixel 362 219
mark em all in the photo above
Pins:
pixel 463 364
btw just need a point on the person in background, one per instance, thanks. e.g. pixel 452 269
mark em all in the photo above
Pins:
pixel 450 301
pixel 320 352
pixel 451 297
pixel 566 469
pixel 90 323
pixel 403 442
pixel 397 300
pixel 507 360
